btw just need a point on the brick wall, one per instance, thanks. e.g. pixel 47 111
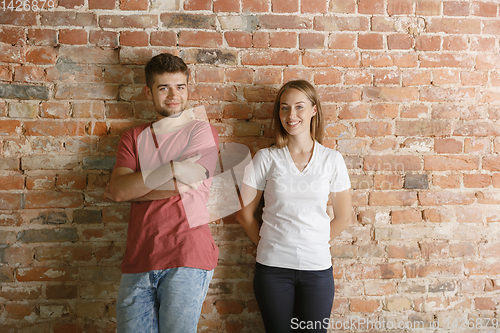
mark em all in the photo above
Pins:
pixel 412 100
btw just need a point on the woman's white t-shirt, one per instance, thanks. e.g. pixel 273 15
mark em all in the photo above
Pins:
pixel 296 227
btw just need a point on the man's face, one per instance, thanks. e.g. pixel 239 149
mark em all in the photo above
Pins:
pixel 168 93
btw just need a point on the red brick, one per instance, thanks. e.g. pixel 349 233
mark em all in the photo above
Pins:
pixel 330 59
pixel 269 58
pixel 336 24
pixel 454 26
pixel 163 38
pixel 134 38
pixel 455 43
pixel 428 7
pixel 10 201
pixel 371 7
pixel 200 39
pixel 237 111
pixel 456 8
pixel 84 91
pixel 5 75
pixel 341 41
pixel 267 76
pixel 12 54
pixel 260 39
pixel 438 94
pixel 71 181
pixel 41 55
pixel 427 43
pixel 400 42
pixel 448 146
pixel 392 198
pixel 128 21
pixel 314 6
pixel 360 305
pixel 19 311
pixel 29 74
pixel 238 39
pixel 432 270
pixel 229 306
pixel 12 182
pixel 451 162
pixel 300 74
pixel 47 274
pixel 445 198
pixel 370 41
pixel 483 268
pixel 403 252
pixel 67 18
pixel 103 38
pixel 40 182
pixel 12 35
pixel 358 77
pixel 326 76
pixel 311 41
pixel 198 5
pixel 70 4
pixel 226 6
pixel 73 36
pixel 134 4
pixel 383 76
pixel 406 216
pixel 283 39
pixel 48 128
pixel 399 7
pixel 392 163
pixel 209 74
pixel 473 78
pixel 387 182
pixel 285 22
pixel 53 200
pixel 484 9
pixel 353 112
pixel 477 180
pixel 285 6
pixel 372 129
pixel 20 18
pixel 239 75
pixel 389 94
pixel 482 44
pixel 255 6
pixel 102 4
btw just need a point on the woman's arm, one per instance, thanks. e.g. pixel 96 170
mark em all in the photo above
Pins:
pixel 245 216
pixel 342 210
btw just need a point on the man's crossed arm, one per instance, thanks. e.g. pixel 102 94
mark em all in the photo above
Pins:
pixel 127 185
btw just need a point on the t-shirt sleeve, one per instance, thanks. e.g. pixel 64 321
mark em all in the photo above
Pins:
pixel 256 171
pixel 126 156
pixel 204 140
pixel 340 178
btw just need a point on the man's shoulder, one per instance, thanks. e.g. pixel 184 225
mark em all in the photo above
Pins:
pixel 136 130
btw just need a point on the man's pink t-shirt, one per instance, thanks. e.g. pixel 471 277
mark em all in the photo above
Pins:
pixel 159 233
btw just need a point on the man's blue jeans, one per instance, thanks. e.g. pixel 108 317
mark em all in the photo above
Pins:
pixel 162 301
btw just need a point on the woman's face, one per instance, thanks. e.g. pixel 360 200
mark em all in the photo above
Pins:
pixel 296 112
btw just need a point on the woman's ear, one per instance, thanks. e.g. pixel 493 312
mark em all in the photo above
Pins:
pixel 315 110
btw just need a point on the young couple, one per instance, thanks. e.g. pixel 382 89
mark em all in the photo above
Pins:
pixel 164 169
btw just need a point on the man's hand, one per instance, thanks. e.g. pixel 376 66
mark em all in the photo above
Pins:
pixel 189 172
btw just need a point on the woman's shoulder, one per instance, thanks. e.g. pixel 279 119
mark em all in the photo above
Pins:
pixel 328 152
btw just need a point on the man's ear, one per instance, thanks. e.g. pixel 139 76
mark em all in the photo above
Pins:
pixel 148 93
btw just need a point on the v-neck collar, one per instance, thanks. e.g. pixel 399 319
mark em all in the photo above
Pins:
pixel 290 159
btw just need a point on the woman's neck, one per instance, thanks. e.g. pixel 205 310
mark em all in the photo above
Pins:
pixel 300 145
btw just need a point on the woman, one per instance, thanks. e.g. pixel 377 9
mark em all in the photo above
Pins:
pixel 293 281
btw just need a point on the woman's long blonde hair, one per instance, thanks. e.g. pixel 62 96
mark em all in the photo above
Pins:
pixel 281 135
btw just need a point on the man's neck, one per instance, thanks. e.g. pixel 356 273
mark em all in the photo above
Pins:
pixel 173 123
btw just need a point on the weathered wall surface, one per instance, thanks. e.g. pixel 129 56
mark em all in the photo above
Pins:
pixel 412 100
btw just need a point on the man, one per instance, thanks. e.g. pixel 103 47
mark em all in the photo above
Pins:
pixel 164 169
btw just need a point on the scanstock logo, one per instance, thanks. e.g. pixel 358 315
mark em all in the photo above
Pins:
pixel 218 196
